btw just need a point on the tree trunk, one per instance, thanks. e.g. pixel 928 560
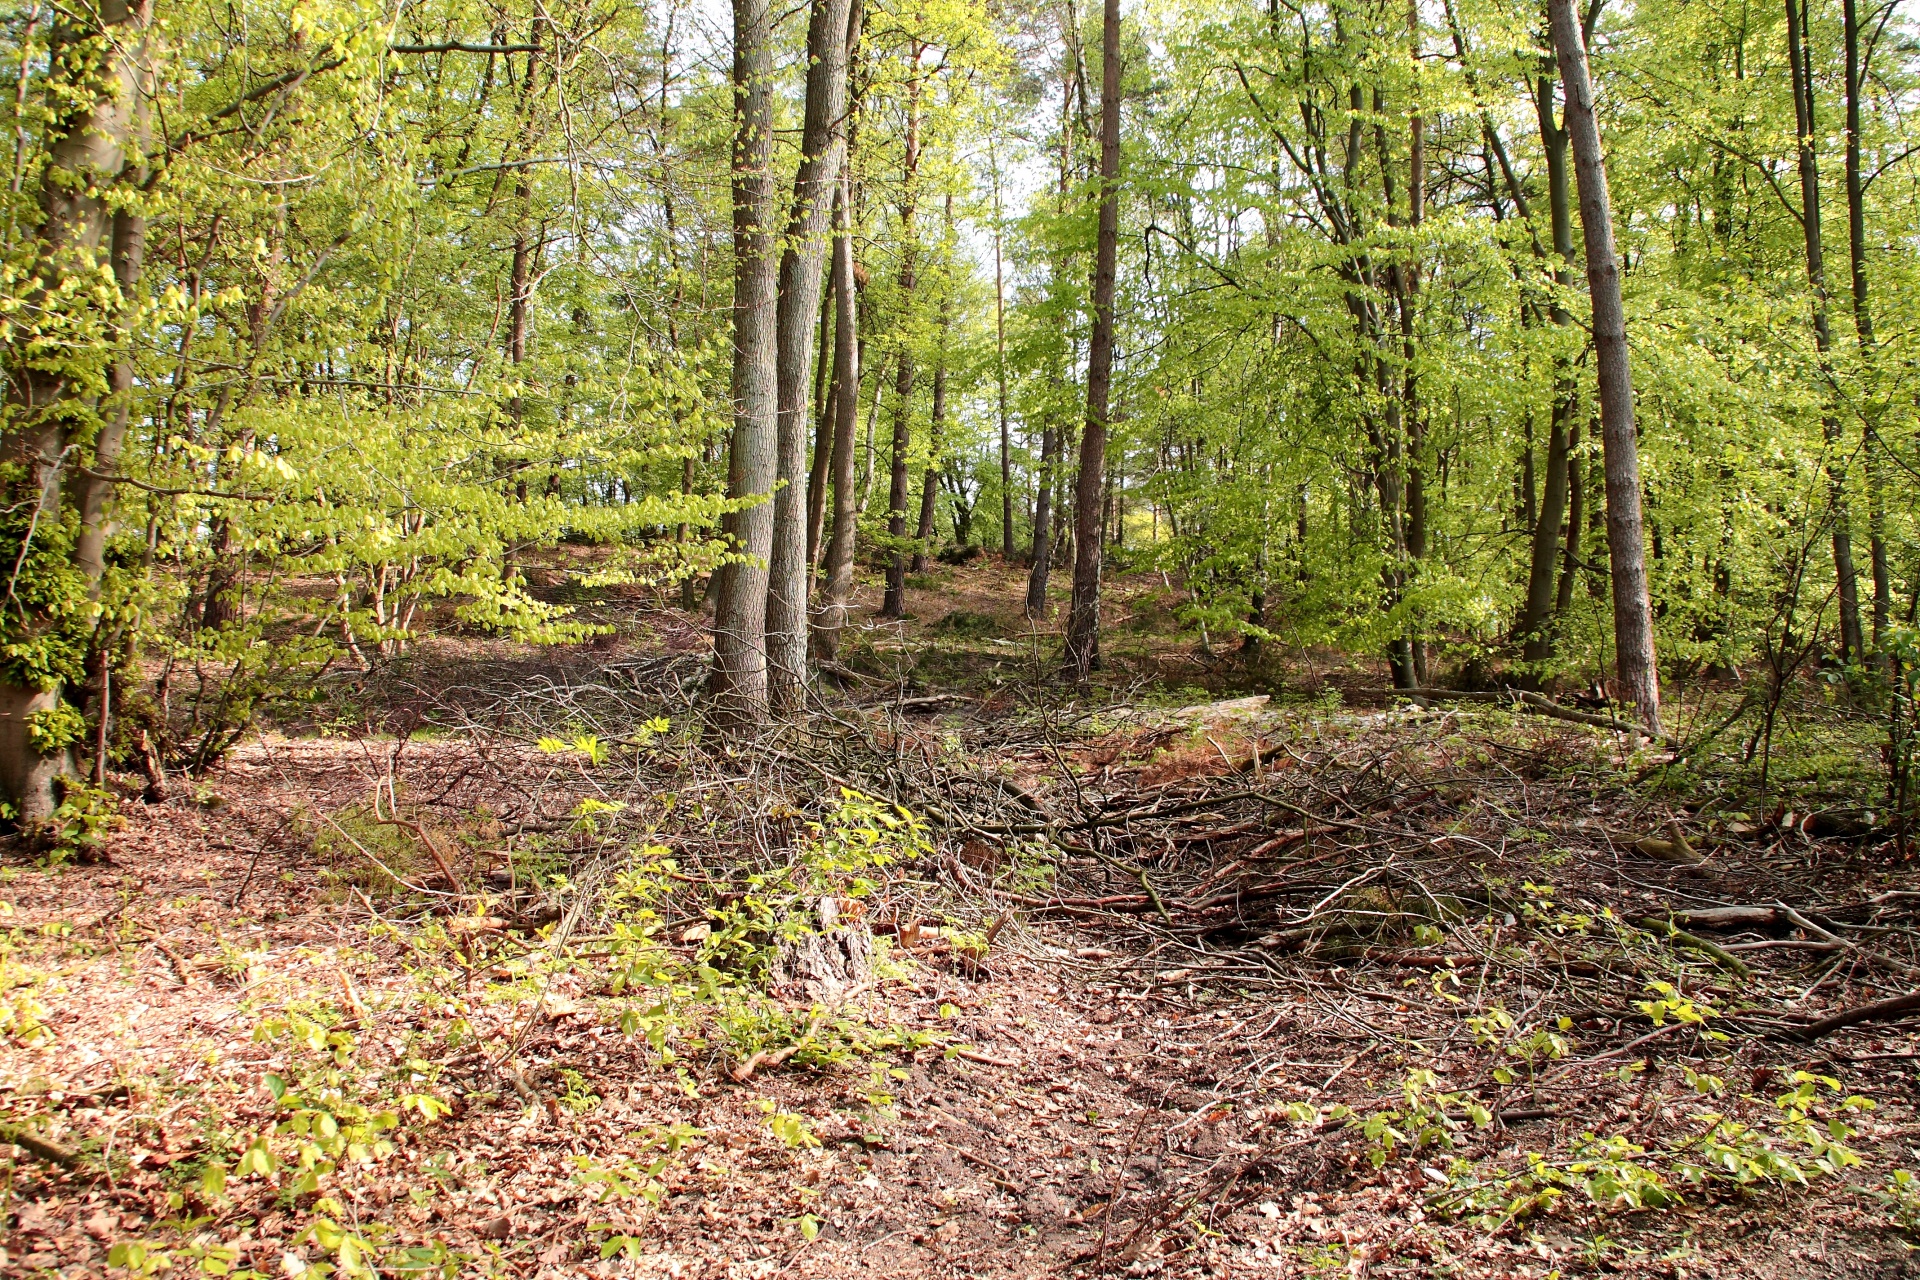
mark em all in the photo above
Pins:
pixel 823 141
pixel 930 478
pixel 1000 371
pixel 1847 581
pixel 1536 620
pixel 1632 610
pixel 1570 549
pixel 1409 343
pixel 95 91
pixel 895 603
pixel 1083 625
pixel 846 422
pixel 738 682
pixel 1042 559
pixel 822 464
pixel 1863 328
pixel 95 490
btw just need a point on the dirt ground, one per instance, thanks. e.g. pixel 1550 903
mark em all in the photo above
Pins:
pixel 1125 1077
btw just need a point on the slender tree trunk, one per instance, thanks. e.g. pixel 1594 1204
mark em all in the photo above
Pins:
pixel 1042 558
pixel 930 478
pixel 894 605
pixel 1536 620
pixel 1409 344
pixel 1632 610
pixel 1863 328
pixel 1052 437
pixel 1851 646
pixel 846 422
pixel 870 449
pixel 1000 369
pixel 822 436
pixel 1570 550
pixel 1083 626
pixel 823 141
pixel 738 683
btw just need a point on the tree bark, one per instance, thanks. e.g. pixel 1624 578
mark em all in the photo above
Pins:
pixel 823 142
pixel 1632 610
pixel 738 682
pixel 1083 625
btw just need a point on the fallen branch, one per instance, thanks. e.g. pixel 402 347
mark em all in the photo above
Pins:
pixel 180 965
pixel 29 1141
pixel 974 1055
pixel 1727 917
pixel 1681 938
pixel 1874 1012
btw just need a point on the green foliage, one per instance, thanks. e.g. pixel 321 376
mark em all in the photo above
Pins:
pixel 1805 1142
pixel 81 822
pixel 55 728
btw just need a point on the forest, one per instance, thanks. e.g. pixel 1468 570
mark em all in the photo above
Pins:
pixel 959 637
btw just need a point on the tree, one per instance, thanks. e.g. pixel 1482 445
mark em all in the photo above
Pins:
pixel 846 421
pixel 66 391
pixel 1083 626
pixel 831 31
pixel 738 684
pixel 1800 77
pixel 895 603
pixel 1632 611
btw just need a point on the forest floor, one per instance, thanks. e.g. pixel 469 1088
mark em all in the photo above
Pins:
pixel 469 971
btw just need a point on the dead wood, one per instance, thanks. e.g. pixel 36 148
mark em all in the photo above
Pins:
pixel 32 1143
pixel 1878 1011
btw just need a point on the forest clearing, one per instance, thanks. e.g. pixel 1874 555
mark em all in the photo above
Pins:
pixel 959 638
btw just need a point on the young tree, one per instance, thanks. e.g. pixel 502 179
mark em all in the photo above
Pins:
pixel 1799 57
pixel 846 421
pixel 894 604
pixel 1632 610
pixel 1856 70
pixel 1000 359
pixel 1083 626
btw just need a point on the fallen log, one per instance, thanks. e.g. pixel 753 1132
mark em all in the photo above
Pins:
pixel 1727 917
pixel 1878 1010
